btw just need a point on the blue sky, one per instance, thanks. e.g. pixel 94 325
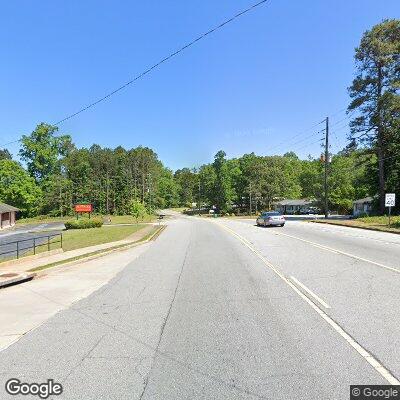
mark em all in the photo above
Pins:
pixel 252 86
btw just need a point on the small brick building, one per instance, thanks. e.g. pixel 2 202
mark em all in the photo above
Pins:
pixel 7 215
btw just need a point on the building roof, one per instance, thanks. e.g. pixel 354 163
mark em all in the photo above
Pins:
pixel 6 208
pixel 364 200
pixel 299 202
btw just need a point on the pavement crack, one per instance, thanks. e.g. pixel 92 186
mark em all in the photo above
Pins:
pixel 87 355
pixel 146 380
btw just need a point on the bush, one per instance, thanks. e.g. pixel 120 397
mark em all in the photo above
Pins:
pixel 83 223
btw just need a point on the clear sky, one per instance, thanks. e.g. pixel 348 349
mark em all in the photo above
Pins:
pixel 251 86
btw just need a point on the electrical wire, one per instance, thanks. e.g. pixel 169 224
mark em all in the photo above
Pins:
pixel 154 66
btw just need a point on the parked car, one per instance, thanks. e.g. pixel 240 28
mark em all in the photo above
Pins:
pixel 310 210
pixel 271 218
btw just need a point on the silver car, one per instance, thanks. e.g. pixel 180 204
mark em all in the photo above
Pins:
pixel 271 218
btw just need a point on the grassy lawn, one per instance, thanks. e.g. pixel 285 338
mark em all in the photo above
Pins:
pixel 78 238
pixel 375 223
pixel 154 232
pixel 381 220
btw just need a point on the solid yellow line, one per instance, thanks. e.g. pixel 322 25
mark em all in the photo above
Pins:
pixel 310 292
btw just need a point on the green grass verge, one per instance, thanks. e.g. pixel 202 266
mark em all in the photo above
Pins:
pixel 151 235
pixel 382 220
pixel 78 238
pixel 371 223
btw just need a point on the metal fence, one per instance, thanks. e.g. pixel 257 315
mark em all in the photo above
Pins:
pixel 20 247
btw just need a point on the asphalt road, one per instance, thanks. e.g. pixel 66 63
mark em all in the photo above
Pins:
pixel 222 309
pixel 25 235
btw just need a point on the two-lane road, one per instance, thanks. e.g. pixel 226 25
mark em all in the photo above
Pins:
pixel 214 309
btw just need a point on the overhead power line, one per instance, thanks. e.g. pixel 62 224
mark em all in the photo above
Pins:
pixel 154 66
pixel 148 70
pixel 288 142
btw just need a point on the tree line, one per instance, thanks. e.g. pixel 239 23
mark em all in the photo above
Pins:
pixel 59 175
pixel 55 174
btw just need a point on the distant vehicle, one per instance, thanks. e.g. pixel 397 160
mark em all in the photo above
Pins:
pixel 310 210
pixel 271 218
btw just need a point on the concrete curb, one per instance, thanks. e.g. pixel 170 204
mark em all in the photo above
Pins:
pixel 101 253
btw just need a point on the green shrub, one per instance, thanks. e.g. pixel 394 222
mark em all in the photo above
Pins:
pixel 83 223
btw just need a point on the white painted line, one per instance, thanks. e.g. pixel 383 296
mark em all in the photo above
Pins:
pixel 323 247
pixel 310 292
pixel 383 371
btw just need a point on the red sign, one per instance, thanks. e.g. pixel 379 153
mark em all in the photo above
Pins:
pixel 84 208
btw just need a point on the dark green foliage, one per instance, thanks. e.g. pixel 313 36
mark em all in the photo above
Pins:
pixel 5 154
pixel 84 223
pixel 42 149
pixel 376 102
pixel 266 179
pixel 18 189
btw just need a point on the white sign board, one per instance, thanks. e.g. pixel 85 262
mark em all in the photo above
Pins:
pixel 390 199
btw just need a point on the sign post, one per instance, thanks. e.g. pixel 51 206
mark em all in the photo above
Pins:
pixel 390 201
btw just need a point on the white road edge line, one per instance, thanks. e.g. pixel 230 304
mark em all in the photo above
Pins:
pixel 310 292
pixel 384 372
pixel 339 252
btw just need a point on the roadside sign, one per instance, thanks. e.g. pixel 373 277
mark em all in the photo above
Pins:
pixel 390 199
pixel 84 208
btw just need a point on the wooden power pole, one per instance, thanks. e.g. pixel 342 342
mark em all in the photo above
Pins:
pixel 326 166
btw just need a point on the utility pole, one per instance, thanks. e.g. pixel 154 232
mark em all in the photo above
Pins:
pixel 250 198
pixel 150 189
pixel 326 166
pixel 199 196
pixel 107 208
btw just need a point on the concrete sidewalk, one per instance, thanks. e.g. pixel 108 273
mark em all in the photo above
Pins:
pixel 24 307
pixel 19 271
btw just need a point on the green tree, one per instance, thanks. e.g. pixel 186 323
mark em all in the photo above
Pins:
pixel 18 189
pixel 188 186
pixel 5 154
pixel 41 151
pixel 375 94
pixel 223 193
pixel 137 210
pixel 208 179
pixel 57 196
pixel 167 190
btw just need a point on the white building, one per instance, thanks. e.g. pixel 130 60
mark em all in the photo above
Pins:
pixel 362 206
pixel 293 206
